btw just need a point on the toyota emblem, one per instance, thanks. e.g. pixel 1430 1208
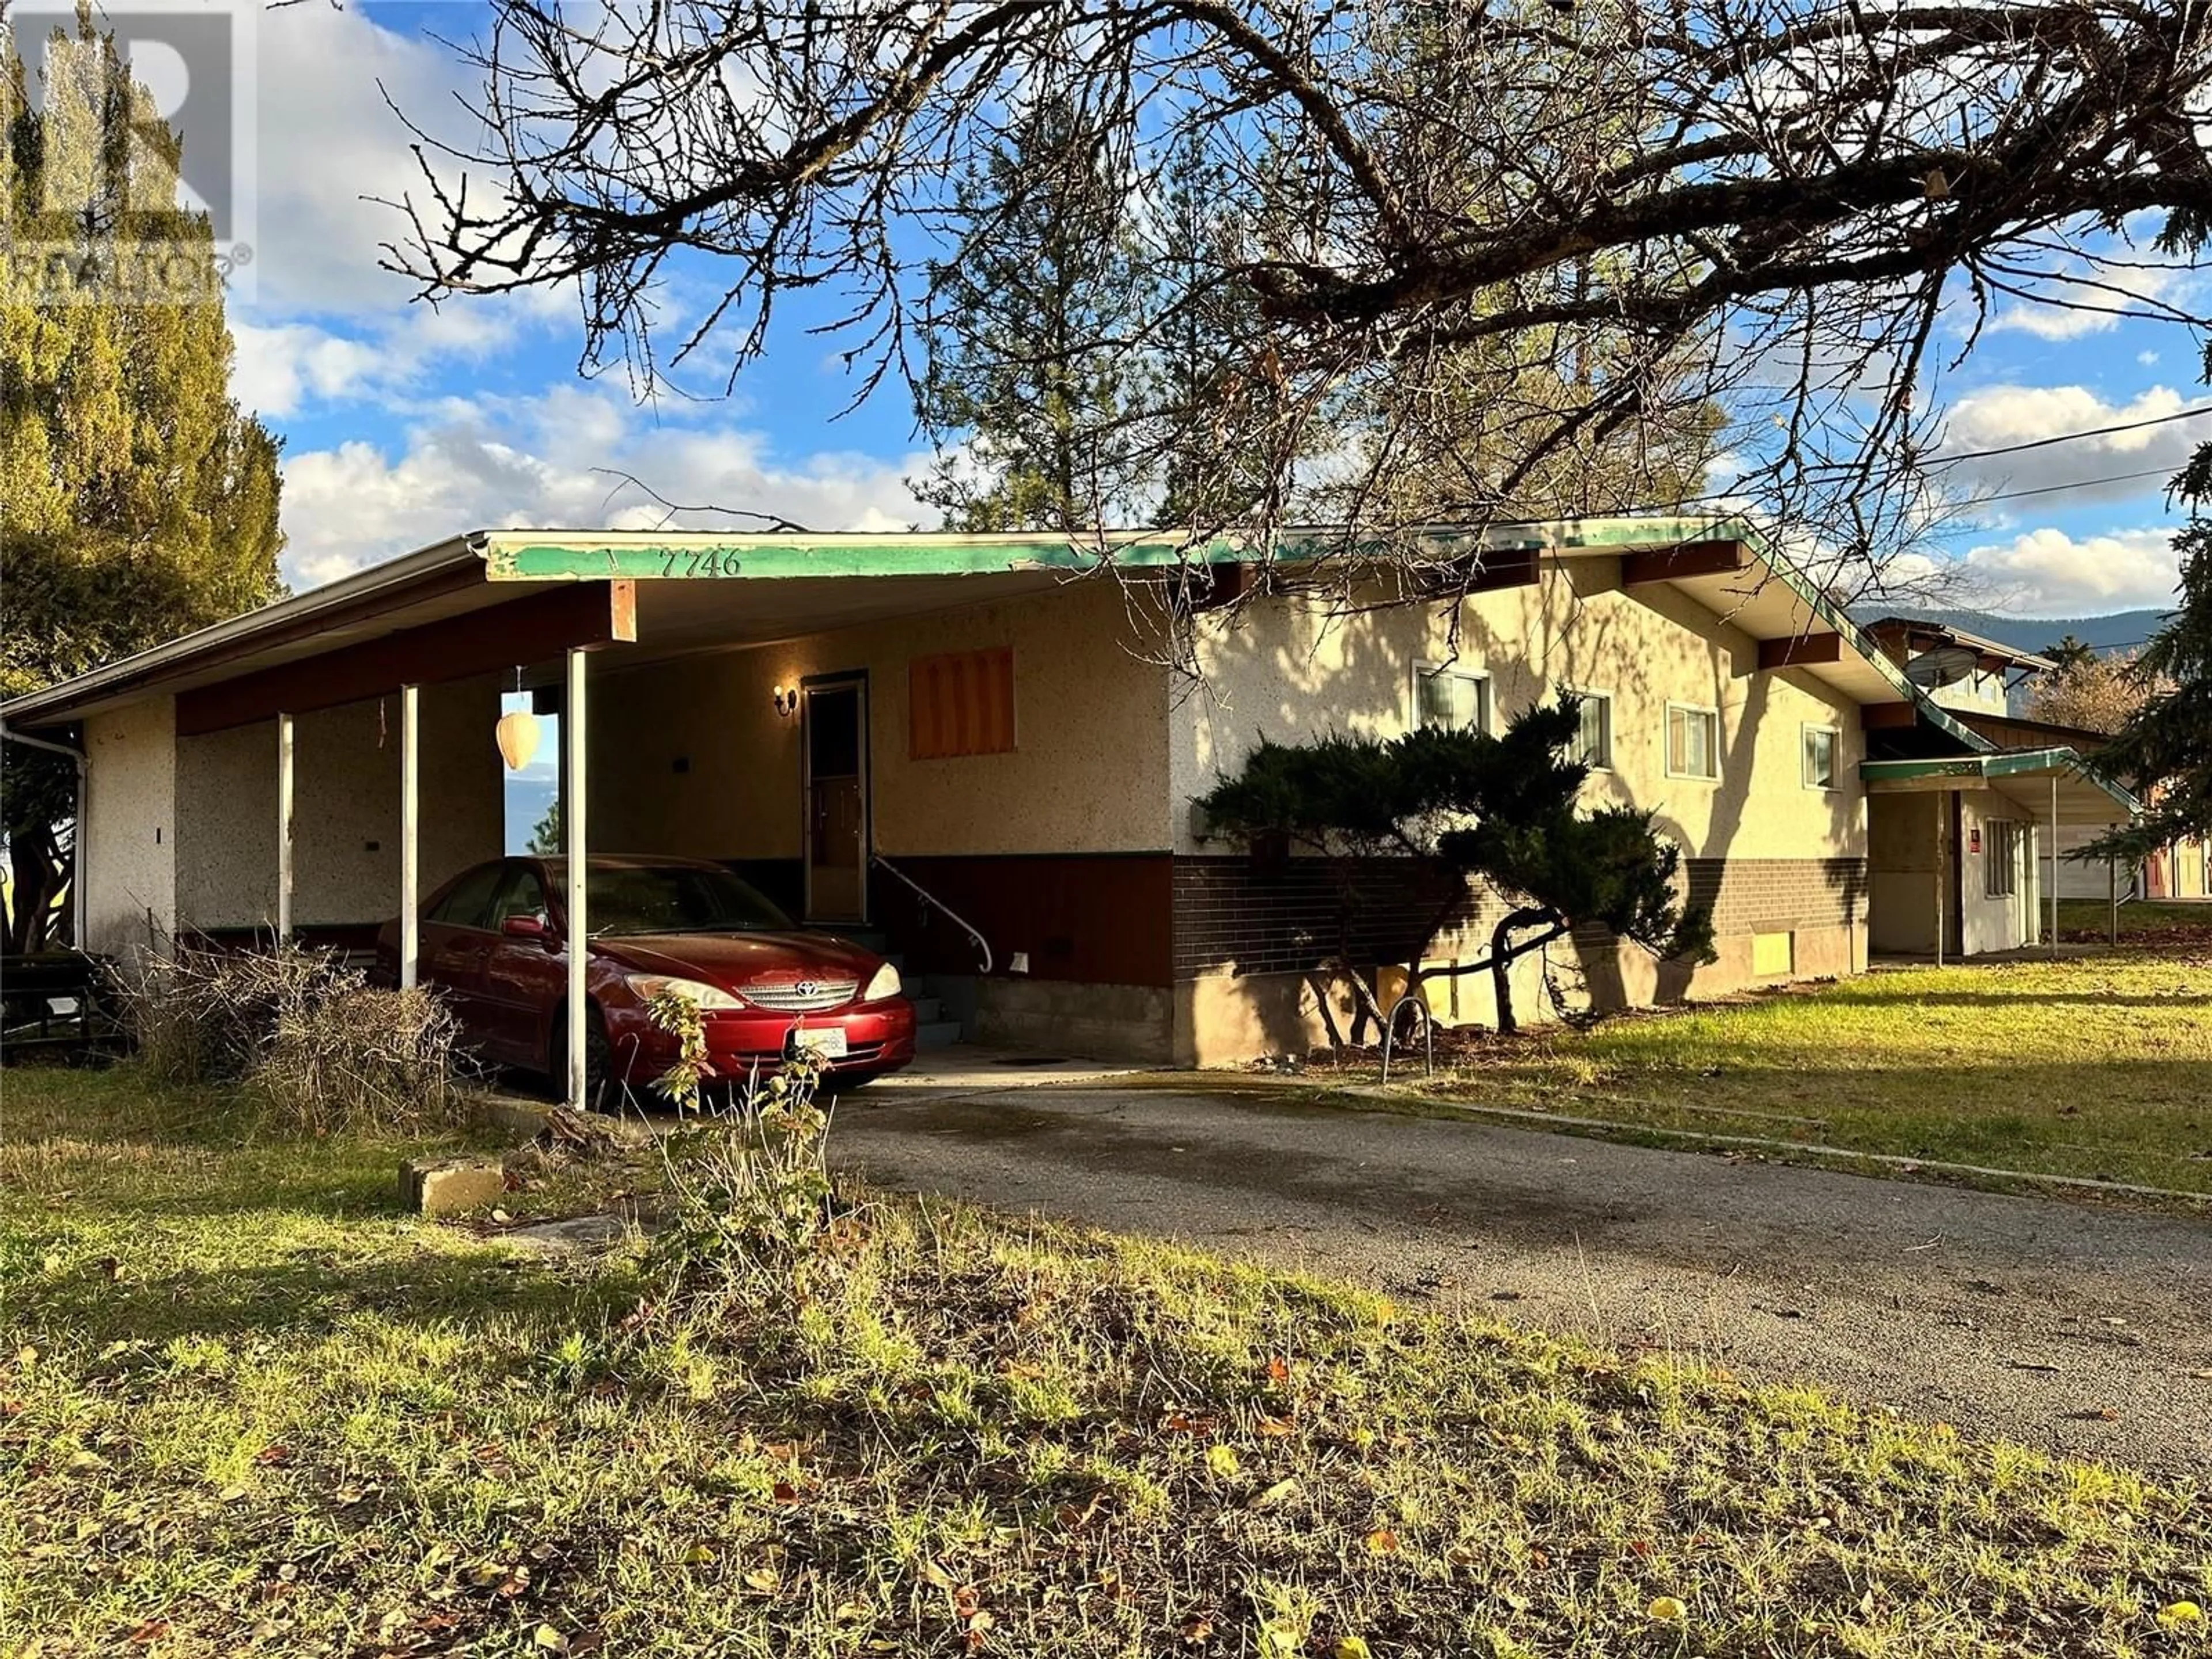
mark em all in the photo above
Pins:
pixel 807 987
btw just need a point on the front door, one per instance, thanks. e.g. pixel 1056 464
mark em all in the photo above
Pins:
pixel 835 742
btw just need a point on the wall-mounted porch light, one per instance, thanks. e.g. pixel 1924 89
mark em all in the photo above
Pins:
pixel 787 701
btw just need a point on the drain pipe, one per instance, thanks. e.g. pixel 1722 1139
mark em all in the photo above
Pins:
pixel 77 833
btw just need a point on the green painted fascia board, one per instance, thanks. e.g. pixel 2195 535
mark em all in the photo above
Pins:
pixel 550 555
pixel 2003 764
pixel 534 555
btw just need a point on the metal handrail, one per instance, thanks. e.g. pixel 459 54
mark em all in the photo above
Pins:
pixel 928 897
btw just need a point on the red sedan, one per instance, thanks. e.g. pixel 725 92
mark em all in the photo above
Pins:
pixel 494 941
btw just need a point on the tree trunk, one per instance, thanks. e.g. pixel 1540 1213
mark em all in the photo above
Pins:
pixel 1504 954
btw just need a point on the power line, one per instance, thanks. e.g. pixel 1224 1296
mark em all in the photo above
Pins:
pixel 2069 437
pixel 2079 484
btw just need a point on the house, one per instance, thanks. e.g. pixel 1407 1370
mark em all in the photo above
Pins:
pixel 1975 679
pixel 978 747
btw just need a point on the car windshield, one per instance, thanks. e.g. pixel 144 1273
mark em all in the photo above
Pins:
pixel 676 898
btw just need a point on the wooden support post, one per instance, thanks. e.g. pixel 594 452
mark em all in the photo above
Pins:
pixel 575 791
pixel 410 823
pixel 2112 896
pixel 1941 798
pixel 283 829
pixel 2054 867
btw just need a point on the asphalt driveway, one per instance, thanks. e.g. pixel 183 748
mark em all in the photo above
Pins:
pixel 2082 1329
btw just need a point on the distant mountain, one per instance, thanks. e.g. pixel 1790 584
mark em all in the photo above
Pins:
pixel 2124 630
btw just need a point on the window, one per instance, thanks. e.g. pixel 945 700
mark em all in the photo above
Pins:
pixel 469 903
pixel 961 704
pixel 1593 748
pixel 1693 742
pixel 2000 863
pixel 1819 757
pixel 1450 697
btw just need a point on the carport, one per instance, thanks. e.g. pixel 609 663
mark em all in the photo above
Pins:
pixel 330 757
pixel 1959 845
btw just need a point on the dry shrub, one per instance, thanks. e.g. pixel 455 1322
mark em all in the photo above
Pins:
pixel 325 1049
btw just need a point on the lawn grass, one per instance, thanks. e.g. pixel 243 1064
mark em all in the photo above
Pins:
pixel 2142 921
pixel 2097 1067
pixel 246 1407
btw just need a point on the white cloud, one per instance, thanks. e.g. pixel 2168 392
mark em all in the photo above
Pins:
pixel 2089 299
pixel 2049 572
pixel 531 461
pixel 2148 359
pixel 2002 416
pixel 330 142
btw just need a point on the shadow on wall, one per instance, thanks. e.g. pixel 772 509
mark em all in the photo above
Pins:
pixel 1353 670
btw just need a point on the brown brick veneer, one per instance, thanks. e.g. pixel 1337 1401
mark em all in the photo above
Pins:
pixel 1234 914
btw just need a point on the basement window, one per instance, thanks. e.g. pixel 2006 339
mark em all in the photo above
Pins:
pixel 1773 956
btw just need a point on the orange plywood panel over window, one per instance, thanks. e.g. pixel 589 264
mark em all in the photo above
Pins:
pixel 961 702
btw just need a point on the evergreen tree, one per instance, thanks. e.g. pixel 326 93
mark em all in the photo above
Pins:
pixel 2070 653
pixel 1029 366
pixel 2165 747
pixel 1503 811
pixel 137 501
pixel 1202 383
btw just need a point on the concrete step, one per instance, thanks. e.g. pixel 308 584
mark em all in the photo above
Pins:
pixel 928 1011
pixel 937 1034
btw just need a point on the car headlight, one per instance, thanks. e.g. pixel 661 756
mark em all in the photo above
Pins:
pixel 697 992
pixel 884 984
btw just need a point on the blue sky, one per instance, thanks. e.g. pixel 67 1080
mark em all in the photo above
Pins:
pixel 404 424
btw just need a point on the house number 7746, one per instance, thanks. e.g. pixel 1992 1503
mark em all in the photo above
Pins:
pixel 702 561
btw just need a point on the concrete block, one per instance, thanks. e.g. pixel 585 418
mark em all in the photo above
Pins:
pixel 446 1186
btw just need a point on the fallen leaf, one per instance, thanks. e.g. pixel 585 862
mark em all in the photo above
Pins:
pixel 1277 1495
pixel 785 1492
pixel 2176 1614
pixel 1381 1541
pixel 1221 1460
pixel 1197 1632
pixel 1348 1646
pixel 763 1579
pixel 1667 1610
pixel 1279 1369
pixel 1275 1427
pixel 550 1639
pixel 154 1629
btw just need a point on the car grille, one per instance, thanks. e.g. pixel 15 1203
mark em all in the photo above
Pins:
pixel 805 996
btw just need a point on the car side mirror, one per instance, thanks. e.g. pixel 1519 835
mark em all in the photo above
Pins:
pixel 521 927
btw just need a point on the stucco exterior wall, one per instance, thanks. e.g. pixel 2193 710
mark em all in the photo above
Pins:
pixel 1088 773
pixel 1779 862
pixel 130 836
pixel 1289 671
pixel 345 810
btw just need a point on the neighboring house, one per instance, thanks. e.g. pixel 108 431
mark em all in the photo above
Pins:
pixel 974 745
pixel 1965 673
pixel 1975 679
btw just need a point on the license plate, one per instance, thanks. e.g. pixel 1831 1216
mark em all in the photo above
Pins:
pixel 829 1044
